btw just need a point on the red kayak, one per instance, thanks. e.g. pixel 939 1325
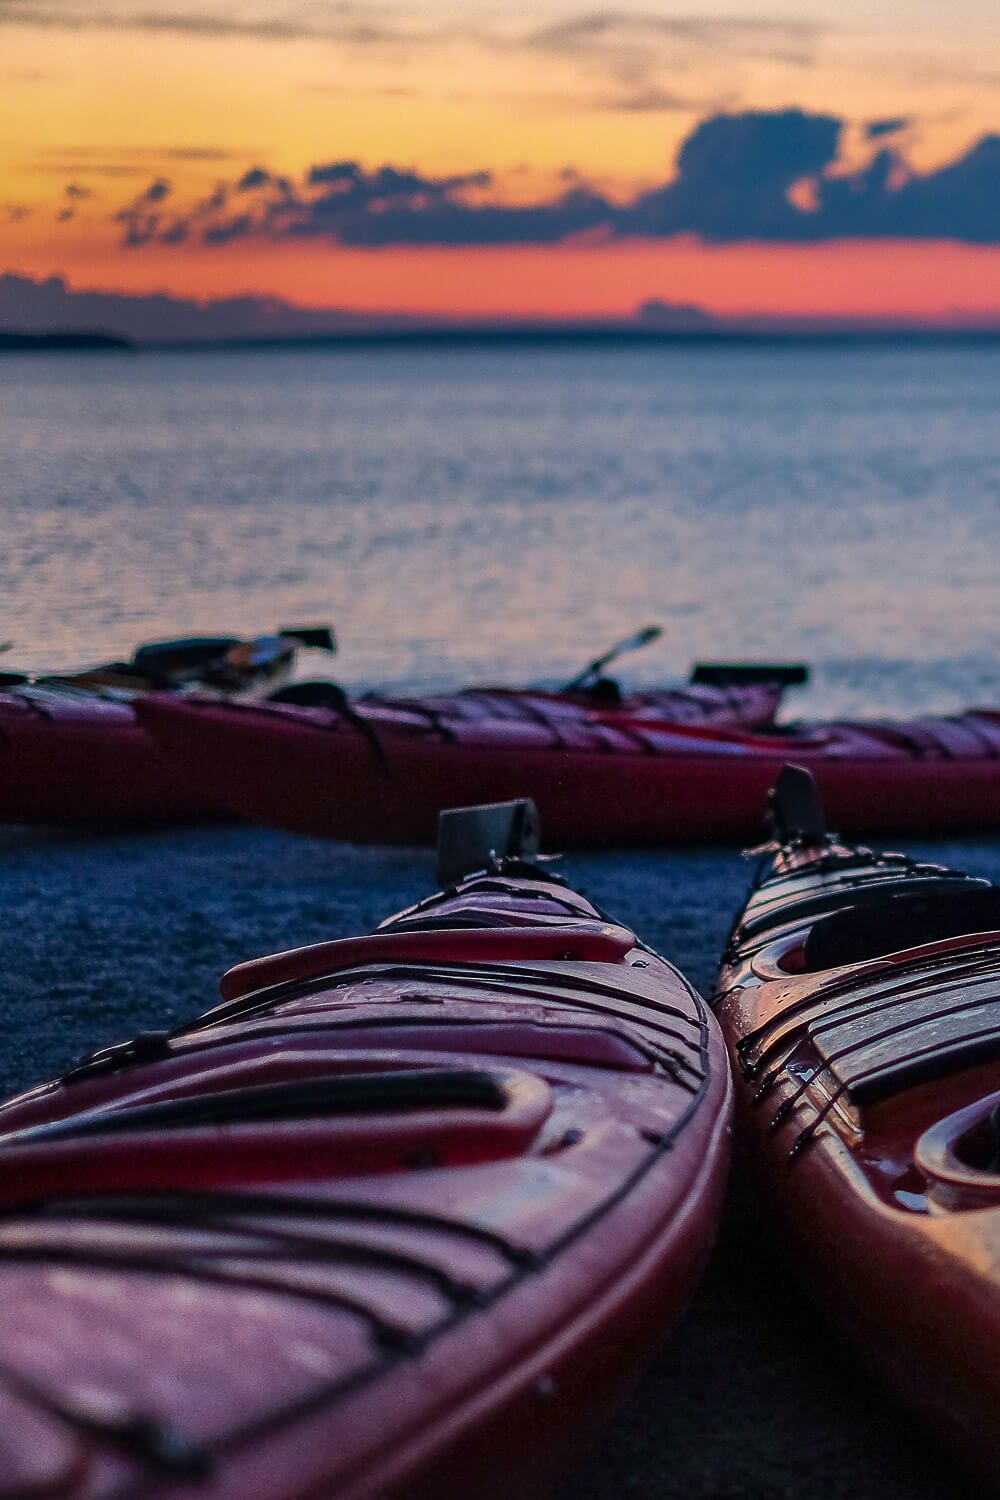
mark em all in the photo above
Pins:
pixel 860 997
pixel 377 773
pixel 78 758
pixel 68 756
pixel 72 750
pixel 401 1216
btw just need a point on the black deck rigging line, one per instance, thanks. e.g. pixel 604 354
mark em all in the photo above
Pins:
pixel 436 718
pixel 900 1029
pixel 489 886
pixel 386 1334
pixel 878 980
pixel 966 722
pixel 924 1055
pixel 147 1046
pixel 531 713
pixel 473 978
pixel 917 1065
pixel 312 1248
pixel 516 997
pixel 340 705
pixel 871 996
pixel 469 974
pixel 322 1249
pixel 143 1206
pixel 808 1132
pixel 347 1095
pixel 161 1448
pixel 653 1051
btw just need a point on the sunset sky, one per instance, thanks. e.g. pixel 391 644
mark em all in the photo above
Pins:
pixel 486 159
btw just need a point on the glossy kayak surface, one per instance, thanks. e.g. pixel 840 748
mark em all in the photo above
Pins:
pixel 860 999
pixel 383 774
pixel 400 1217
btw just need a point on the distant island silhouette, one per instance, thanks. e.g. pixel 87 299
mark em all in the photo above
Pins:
pixel 497 336
pixel 47 313
pixel 19 343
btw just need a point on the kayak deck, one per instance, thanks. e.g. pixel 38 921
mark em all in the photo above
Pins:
pixel 860 997
pixel 400 1218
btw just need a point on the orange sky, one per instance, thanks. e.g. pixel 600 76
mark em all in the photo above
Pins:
pixel 523 93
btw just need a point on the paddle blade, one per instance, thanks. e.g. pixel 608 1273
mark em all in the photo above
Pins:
pixel 317 637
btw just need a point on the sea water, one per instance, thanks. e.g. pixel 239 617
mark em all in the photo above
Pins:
pixel 504 513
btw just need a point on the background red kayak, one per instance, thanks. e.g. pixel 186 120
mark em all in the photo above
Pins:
pixel 384 775
pixel 400 1216
pixel 77 758
pixel 72 750
pixel 73 757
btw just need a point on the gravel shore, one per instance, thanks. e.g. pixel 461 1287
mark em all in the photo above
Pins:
pixel 754 1398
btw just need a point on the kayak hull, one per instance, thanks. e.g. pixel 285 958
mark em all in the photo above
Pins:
pixel 399 1220
pixel 75 760
pixel 595 782
pixel 73 757
pixel 861 1087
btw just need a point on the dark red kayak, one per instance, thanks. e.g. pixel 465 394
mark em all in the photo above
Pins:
pixel 400 1217
pixel 860 997
pixel 382 773
pixel 70 756
pixel 72 750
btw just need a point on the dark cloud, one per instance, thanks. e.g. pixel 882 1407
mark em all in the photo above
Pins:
pixel 752 176
pixel 642 53
pixel 253 178
pixel 650 99
pixel 76 190
pixel 347 23
pixel 142 219
pixel 876 129
pixel 193 153
pixel 599 28
pixel 734 173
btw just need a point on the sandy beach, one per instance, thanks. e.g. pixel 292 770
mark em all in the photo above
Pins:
pixel 755 1397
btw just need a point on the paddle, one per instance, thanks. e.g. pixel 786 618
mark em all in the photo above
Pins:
pixel 583 680
pixel 316 637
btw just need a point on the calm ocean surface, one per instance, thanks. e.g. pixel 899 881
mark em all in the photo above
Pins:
pixel 505 513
